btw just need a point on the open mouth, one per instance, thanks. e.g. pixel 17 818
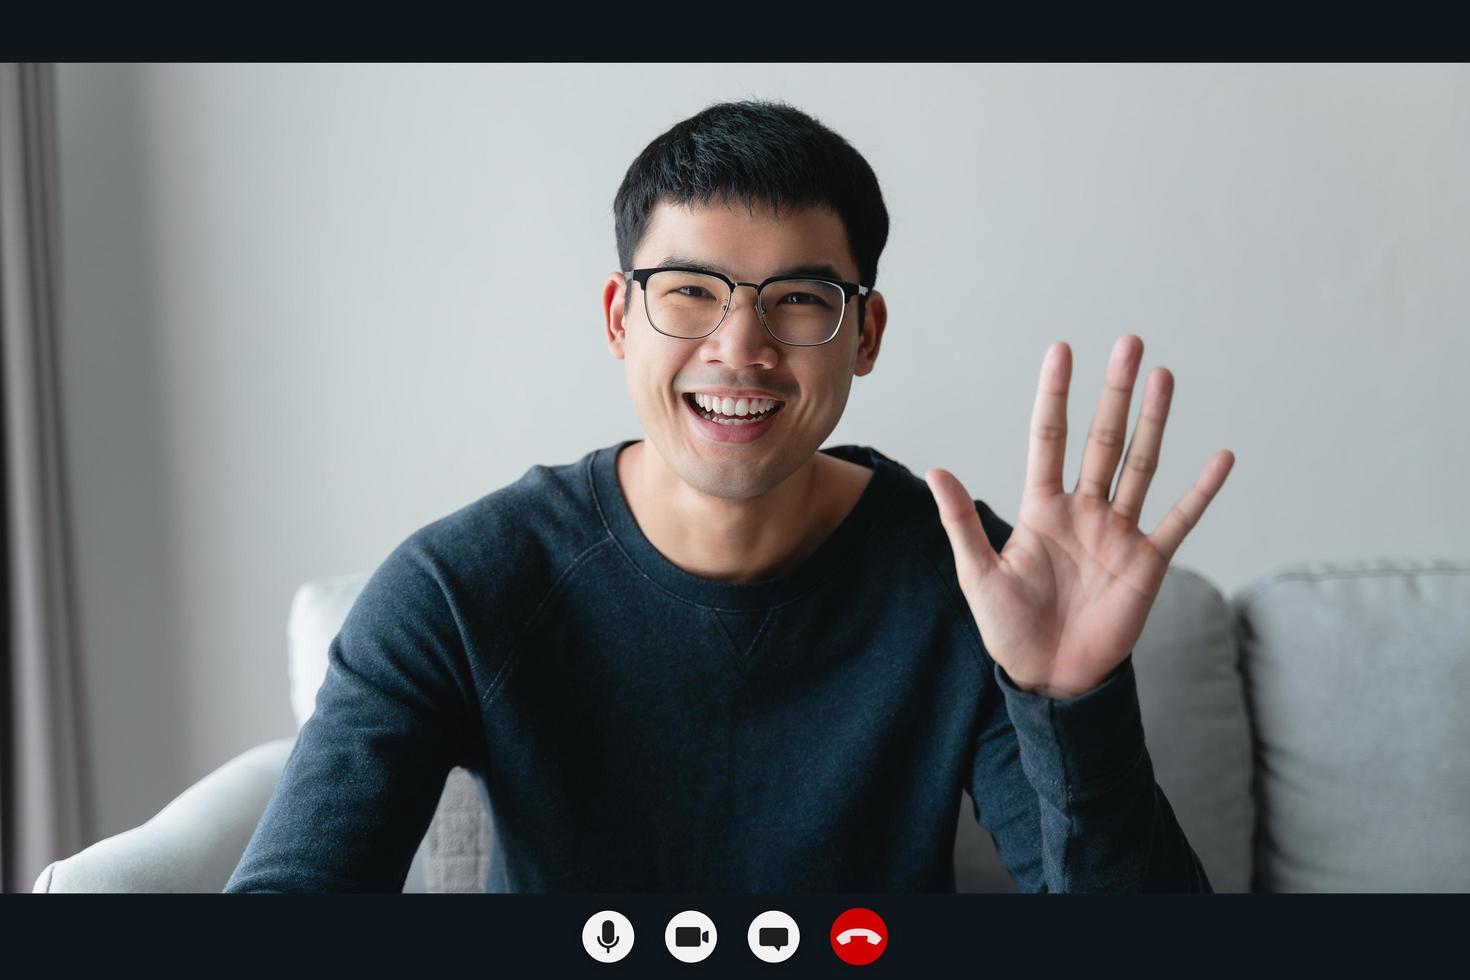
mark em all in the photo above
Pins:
pixel 732 421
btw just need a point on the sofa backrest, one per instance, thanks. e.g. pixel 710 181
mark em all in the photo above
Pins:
pixel 318 611
pixel 1356 677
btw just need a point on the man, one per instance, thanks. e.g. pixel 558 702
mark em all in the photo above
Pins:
pixel 722 659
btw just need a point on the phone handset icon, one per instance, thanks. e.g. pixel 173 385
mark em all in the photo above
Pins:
pixel 849 935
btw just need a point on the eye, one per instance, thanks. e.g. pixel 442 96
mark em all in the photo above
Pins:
pixel 808 299
pixel 697 289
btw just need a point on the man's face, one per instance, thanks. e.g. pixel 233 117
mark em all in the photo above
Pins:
pixel 812 381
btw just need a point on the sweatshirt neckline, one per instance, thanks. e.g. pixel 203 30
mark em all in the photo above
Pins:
pixel 820 566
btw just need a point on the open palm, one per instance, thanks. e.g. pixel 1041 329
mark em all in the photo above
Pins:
pixel 1065 601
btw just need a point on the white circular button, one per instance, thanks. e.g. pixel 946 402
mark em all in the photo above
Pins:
pixel 773 936
pixel 691 936
pixel 607 936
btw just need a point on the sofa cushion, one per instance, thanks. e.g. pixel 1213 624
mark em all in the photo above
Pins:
pixel 1356 674
pixel 1195 723
pixel 457 846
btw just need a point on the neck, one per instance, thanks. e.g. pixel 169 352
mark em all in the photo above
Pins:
pixel 723 538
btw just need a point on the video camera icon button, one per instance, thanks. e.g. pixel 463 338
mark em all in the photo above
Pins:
pixel 691 936
pixel 773 936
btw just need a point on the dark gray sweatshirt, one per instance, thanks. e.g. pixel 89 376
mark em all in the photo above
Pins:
pixel 637 728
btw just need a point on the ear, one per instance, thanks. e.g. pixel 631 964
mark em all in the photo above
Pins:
pixel 875 318
pixel 613 292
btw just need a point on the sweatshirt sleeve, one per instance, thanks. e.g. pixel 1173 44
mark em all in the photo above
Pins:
pixel 1104 823
pixel 1066 787
pixel 368 768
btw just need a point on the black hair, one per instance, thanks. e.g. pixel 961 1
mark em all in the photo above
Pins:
pixel 755 151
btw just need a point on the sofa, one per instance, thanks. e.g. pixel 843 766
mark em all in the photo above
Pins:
pixel 1308 733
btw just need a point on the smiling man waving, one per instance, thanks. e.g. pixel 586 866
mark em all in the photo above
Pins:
pixel 722 658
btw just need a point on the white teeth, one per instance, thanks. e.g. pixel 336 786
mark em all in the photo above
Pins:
pixel 734 406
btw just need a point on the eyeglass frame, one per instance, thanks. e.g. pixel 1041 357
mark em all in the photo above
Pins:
pixel 849 289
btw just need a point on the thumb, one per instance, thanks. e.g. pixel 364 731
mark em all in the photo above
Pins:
pixel 973 555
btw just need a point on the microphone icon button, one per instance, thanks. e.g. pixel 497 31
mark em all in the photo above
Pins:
pixel 607 936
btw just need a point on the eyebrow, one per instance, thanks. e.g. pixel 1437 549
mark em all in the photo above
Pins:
pixel 819 269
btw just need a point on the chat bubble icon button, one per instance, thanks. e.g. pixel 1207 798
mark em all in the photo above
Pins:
pixel 773 936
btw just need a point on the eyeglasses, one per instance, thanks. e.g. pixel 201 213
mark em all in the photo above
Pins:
pixel 799 311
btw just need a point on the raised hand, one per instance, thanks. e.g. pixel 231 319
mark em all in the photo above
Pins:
pixel 1065 601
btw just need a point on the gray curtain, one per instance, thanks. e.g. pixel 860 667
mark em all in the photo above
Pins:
pixel 45 811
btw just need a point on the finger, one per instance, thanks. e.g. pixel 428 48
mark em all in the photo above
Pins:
pixel 1109 427
pixel 1142 460
pixel 1184 515
pixel 1049 423
pixel 973 555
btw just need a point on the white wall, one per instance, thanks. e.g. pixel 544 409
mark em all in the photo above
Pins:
pixel 302 304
